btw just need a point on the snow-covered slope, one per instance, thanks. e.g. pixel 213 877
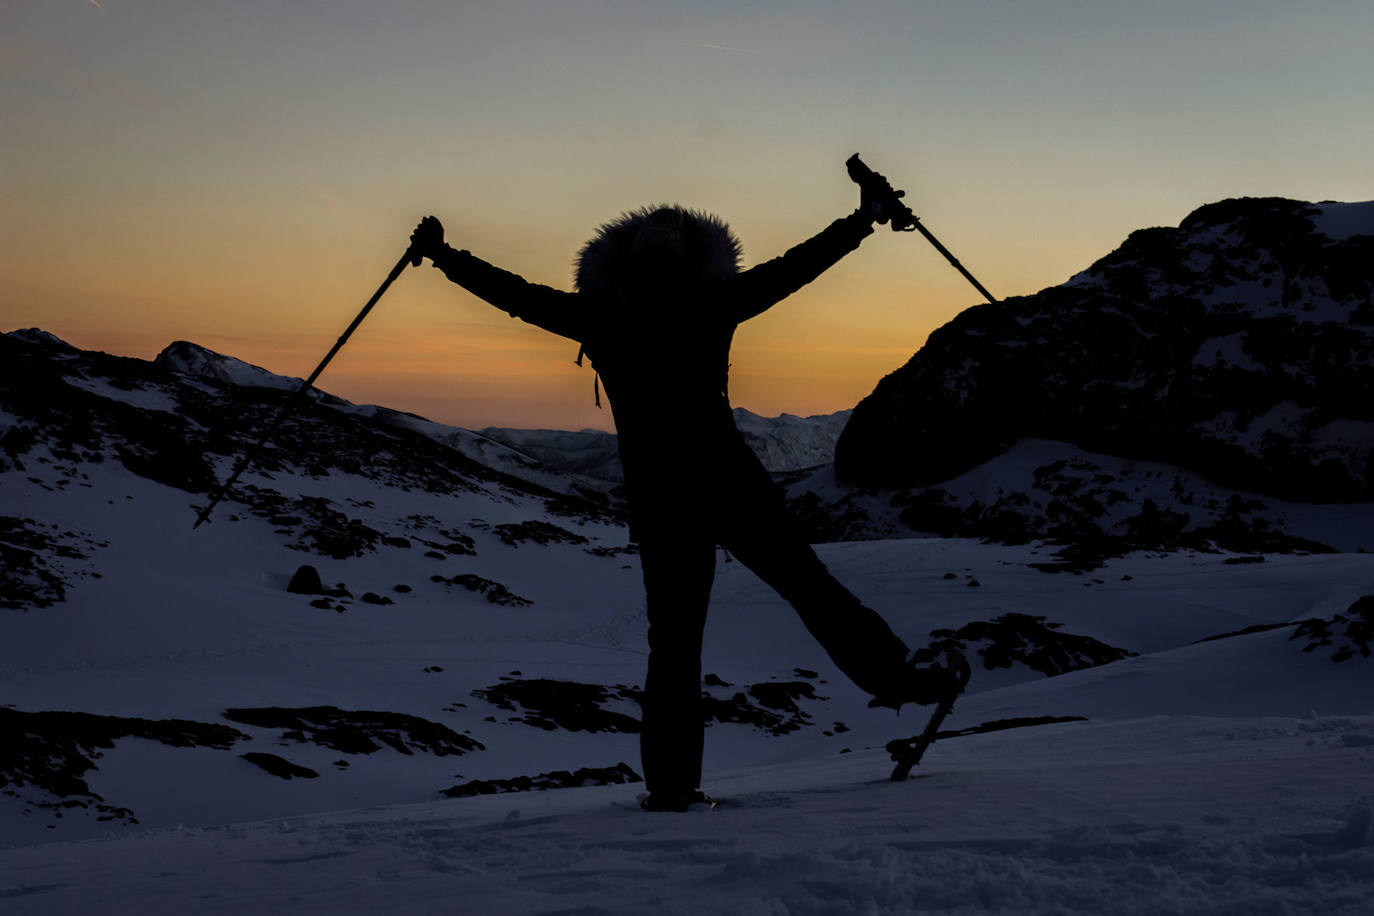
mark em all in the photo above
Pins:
pixel 181 732
pixel 1231 775
pixel 1340 221
pixel 1163 815
pixel 1094 504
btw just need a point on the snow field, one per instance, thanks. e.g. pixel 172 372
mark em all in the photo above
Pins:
pixel 1227 776
pixel 1165 815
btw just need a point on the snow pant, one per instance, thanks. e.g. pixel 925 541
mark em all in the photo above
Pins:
pixel 679 566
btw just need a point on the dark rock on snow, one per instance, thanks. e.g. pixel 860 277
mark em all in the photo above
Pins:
pixel 771 706
pixel 558 779
pixel 494 591
pixel 279 766
pixel 1023 639
pixel 1358 621
pixel 306 581
pixel 553 704
pixel 359 731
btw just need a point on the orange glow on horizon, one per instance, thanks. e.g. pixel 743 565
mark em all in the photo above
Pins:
pixel 243 175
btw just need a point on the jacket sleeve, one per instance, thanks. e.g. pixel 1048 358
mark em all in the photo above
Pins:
pixel 764 285
pixel 551 309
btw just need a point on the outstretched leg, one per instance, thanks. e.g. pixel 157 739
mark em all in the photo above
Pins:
pixel 677 581
pixel 857 639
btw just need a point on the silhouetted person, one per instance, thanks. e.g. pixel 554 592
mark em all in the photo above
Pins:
pixel 659 295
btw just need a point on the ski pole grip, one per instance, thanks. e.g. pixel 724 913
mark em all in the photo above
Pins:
pixel 877 188
pixel 859 173
pixel 865 177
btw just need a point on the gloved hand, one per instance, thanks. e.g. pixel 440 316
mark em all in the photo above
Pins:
pixel 427 240
pixel 877 199
pixel 882 204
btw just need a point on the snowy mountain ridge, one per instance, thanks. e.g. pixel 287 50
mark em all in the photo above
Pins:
pixel 783 443
pixel 1206 386
pixel 792 443
pixel 193 359
pixel 1238 345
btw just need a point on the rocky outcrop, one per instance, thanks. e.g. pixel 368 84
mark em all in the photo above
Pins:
pixel 1358 623
pixel 357 731
pixel 619 774
pixel 1239 345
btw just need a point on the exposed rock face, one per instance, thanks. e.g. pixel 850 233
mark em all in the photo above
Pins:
pixel 1239 345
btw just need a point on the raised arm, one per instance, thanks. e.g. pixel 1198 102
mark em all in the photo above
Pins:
pixel 766 284
pixel 551 309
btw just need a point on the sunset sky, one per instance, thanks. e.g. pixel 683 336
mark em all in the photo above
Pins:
pixel 243 173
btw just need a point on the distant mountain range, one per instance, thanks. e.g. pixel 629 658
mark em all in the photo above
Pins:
pixel 783 443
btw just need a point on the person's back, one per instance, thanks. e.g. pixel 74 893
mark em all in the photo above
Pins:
pixel 658 286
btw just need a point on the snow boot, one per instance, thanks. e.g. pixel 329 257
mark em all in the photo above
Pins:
pixel 673 801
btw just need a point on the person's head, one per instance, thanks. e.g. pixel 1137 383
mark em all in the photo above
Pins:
pixel 657 252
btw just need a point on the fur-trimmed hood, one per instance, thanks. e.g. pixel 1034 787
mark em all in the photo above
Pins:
pixel 708 248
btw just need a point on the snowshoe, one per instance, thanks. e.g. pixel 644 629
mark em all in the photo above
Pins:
pixel 907 752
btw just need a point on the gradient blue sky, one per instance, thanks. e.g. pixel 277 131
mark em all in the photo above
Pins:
pixel 243 173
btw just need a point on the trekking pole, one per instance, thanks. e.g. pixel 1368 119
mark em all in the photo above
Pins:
pixel 870 180
pixel 251 455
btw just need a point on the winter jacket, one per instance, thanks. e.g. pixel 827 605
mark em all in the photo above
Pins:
pixel 659 296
